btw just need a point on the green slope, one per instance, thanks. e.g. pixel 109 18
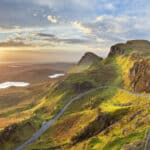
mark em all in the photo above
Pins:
pixel 103 119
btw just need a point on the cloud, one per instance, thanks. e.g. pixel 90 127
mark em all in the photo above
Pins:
pixel 13 43
pixel 19 29
pixel 97 24
pixel 52 19
pixel 81 27
pixel 100 18
pixel 9 29
pixel 51 39
pixel 34 14
pixel 75 41
pixel 57 40
pixel 44 35
pixel 100 40
pixel 112 29
pixel 111 25
pixel 109 6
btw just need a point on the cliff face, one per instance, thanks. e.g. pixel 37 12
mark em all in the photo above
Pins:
pixel 141 46
pixel 140 76
pixel 138 51
pixel 116 50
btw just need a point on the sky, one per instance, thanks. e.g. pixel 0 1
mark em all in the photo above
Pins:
pixel 63 30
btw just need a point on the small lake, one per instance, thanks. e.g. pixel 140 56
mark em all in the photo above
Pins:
pixel 5 85
pixel 15 66
pixel 56 75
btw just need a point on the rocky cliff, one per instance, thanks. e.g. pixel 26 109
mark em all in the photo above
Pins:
pixel 138 51
pixel 141 46
pixel 140 76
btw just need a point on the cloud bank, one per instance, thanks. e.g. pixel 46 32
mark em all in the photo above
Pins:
pixel 72 25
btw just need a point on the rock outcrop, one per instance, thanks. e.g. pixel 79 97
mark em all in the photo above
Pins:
pixel 80 87
pixel 140 76
pixel 116 50
pixel 138 51
pixel 142 46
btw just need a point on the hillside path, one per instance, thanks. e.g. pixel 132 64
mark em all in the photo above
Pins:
pixel 48 124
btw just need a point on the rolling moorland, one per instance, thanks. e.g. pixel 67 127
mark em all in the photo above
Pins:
pixel 111 110
pixel 14 101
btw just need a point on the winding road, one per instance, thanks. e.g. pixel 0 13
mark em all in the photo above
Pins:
pixel 147 143
pixel 48 124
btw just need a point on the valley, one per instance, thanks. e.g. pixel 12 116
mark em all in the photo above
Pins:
pixel 17 98
pixel 99 103
pixel 74 75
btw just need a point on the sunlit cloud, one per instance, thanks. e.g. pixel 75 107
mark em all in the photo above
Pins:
pixel 81 27
pixel 100 18
pixel 14 43
pixel 72 25
pixel 34 14
pixel 52 19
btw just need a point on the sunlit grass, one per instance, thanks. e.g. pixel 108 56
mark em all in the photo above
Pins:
pixel 125 64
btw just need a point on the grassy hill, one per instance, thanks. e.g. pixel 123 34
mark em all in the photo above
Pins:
pixel 107 119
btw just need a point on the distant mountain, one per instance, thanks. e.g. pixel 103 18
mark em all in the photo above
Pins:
pixel 89 58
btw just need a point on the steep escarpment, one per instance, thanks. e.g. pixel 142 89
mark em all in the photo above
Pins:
pixel 140 76
pixel 136 64
pixel 140 46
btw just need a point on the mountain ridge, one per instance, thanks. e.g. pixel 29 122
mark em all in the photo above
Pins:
pixel 89 58
pixel 138 45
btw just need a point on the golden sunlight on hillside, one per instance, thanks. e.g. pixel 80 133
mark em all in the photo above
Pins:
pixel 74 75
